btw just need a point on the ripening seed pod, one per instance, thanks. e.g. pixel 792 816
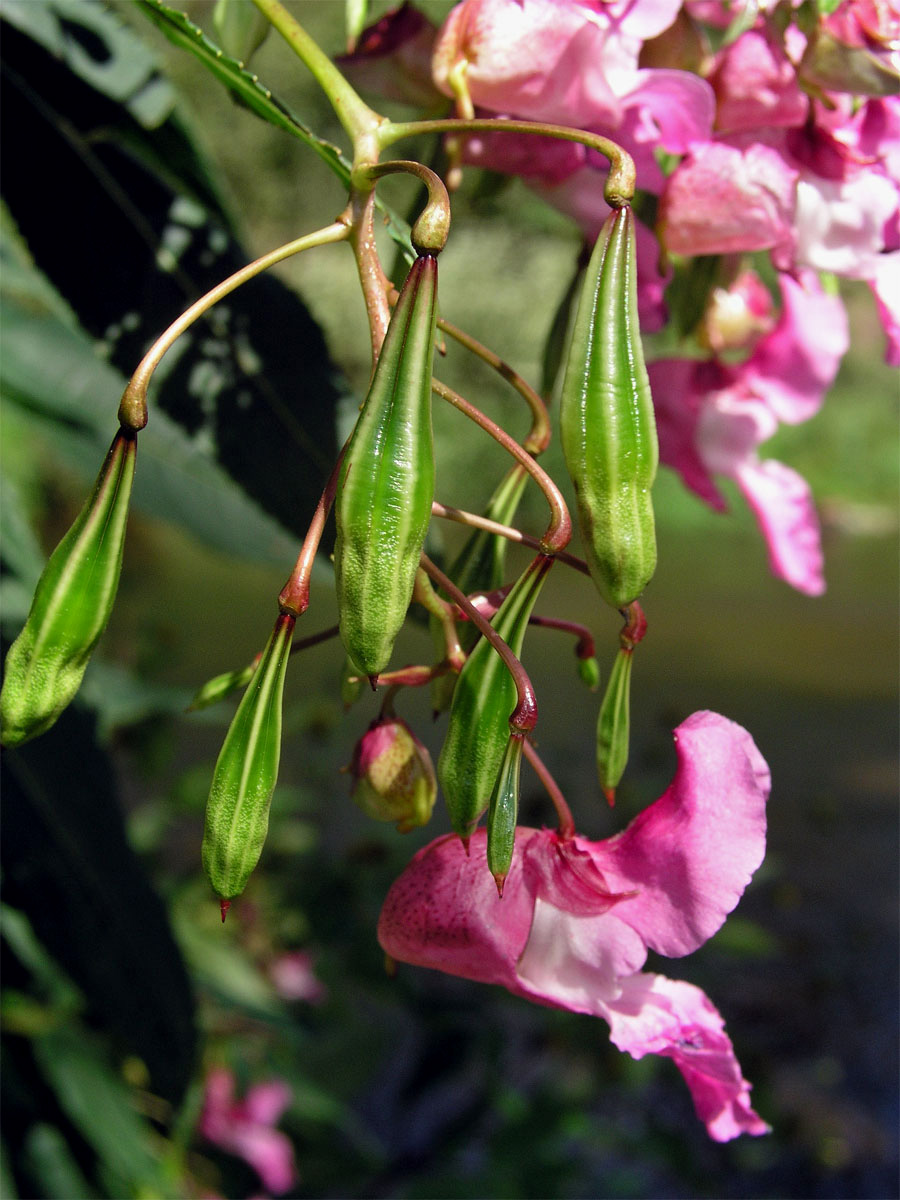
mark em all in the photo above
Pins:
pixel 483 701
pixel 607 421
pixel 613 725
pixel 503 811
pixel 393 775
pixel 72 603
pixel 480 566
pixel 220 687
pixel 386 486
pixel 246 771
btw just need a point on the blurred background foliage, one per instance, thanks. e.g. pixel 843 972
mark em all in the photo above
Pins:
pixel 132 183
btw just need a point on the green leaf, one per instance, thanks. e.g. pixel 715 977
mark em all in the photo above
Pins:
pixel 182 32
pixel 50 370
pixel 49 1160
pixel 99 1105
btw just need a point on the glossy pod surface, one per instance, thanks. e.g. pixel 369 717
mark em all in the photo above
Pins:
pixel 484 698
pixel 246 771
pixel 71 606
pixel 386 486
pixel 607 424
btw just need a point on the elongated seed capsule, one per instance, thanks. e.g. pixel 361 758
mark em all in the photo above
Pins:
pixel 386 486
pixel 607 421
pixel 72 603
pixel 480 566
pixel 503 811
pixel 237 811
pixel 484 698
pixel 613 725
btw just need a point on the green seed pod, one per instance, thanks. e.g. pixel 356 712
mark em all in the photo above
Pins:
pixel 220 687
pixel 71 606
pixel 613 725
pixel 480 566
pixel 503 811
pixel 393 775
pixel 352 684
pixel 386 485
pixel 589 672
pixel 237 811
pixel 607 422
pixel 484 698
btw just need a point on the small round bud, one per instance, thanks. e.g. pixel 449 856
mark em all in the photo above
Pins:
pixel 393 774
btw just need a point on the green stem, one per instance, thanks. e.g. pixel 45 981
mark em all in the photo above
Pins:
pixel 429 233
pixel 539 436
pixel 133 405
pixel 620 182
pixel 354 114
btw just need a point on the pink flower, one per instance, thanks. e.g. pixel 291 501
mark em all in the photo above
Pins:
pixel 732 195
pixel 294 978
pixel 577 917
pixel 712 418
pixel 246 1128
pixel 756 84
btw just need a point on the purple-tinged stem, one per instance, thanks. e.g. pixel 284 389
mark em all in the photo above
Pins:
pixel 475 521
pixel 563 812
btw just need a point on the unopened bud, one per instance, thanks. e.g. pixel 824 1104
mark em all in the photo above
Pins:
pixel 394 777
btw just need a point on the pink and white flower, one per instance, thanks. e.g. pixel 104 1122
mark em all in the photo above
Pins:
pixel 712 418
pixel 578 917
pixel 246 1128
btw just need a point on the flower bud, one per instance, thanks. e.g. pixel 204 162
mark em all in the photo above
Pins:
pixel 71 606
pixel 393 774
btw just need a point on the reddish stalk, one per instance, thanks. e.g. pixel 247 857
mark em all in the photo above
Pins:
pixel 294 596
pixel 563 812
pixel 559 531
pixel 523 718
pixel 475 521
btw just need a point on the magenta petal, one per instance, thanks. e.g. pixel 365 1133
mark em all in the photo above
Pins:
pixel 265 1102
pixel 444 912
pixel 268 1151
pixel 783 506
pixel 691 854
pixel 655 1015
pixel 724 198
pixel 563 872
pixel 679 387
pixel 794 366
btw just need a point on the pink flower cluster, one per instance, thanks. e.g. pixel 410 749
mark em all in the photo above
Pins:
pixel 784 141
pixel 578 917
pixel 246 1128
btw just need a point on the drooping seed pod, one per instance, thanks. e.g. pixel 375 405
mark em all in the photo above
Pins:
pixel 393 775
pixel 484 698
pixel 480 566
pixel 220 687
pixel 246 771
pixel 613 725
pixel 72 604
pixel 386 485
pixel 607 422
pixel 503 811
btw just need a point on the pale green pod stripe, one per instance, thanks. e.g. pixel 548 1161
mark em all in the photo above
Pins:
pixel 72 603
pixel 237 811
pixel 613 725
pixel 386 487
pixel 479 567
pixel 484 698
pixel 503 811
pixel 607 422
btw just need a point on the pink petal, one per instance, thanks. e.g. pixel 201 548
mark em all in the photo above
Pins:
pixel 681 104
pixel 690 855
pixel 794 366
pixel 756 84
pixel 539 59
pixel 268 1151
pixel 264 1103
pixel 679 387
pixel 576 962
pixel 562 872
pixel 724 198
pixel 885 283
pixel 444 911
pixel 655 1015
pixel 782 503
